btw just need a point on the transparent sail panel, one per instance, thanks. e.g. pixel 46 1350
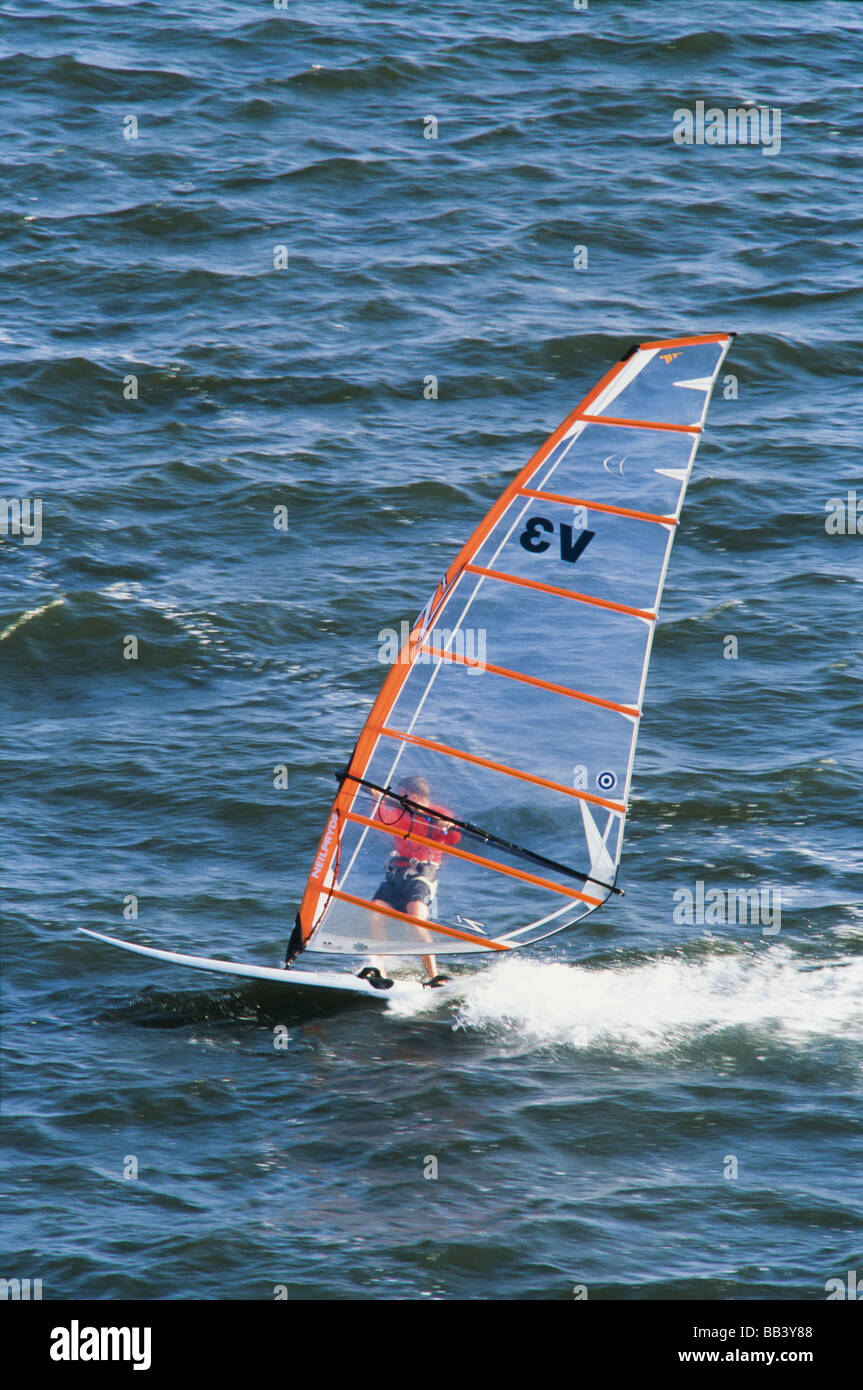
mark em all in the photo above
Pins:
pixel 623 467
pixel 672 385
pixel 579 549
pixel 537 732
pixel 520 810
pixel 412 882
pixel 543 636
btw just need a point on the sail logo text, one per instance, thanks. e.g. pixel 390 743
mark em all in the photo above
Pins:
pixel 729 907
pixel 466 646
pixel 320 861
pixel 77 1343
pixel 533 540
pixel 21 516
pixel 739 125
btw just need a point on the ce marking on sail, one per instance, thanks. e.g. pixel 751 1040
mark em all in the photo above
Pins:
pixel 612 465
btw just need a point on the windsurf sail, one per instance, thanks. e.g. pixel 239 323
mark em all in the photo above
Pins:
pixel 492 775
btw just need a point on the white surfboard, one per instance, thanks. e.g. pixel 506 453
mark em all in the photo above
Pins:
pixel 298 979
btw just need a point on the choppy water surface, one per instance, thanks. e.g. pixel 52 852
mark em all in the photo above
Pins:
pixel 582 1102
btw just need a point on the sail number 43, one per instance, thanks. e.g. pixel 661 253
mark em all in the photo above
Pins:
pixel 533 539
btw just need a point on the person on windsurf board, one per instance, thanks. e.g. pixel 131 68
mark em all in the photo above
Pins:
pixel 412 870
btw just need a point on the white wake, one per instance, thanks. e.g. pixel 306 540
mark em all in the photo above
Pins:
pixel 666 1004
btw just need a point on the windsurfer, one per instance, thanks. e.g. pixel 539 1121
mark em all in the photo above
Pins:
pixel 412 870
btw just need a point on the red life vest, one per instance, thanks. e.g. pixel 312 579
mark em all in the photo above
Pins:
pixel 422 823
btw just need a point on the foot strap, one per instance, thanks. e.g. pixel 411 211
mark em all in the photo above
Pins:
pixel 373 976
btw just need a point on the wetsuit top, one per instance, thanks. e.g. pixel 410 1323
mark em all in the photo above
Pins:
pixel 421 822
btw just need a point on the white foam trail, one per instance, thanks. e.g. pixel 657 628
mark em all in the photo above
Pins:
pixel 665 1004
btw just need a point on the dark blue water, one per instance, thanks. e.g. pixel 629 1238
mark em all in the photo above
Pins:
pixel 583 1101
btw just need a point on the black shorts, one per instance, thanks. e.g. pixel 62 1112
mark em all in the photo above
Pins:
pixel 411 882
